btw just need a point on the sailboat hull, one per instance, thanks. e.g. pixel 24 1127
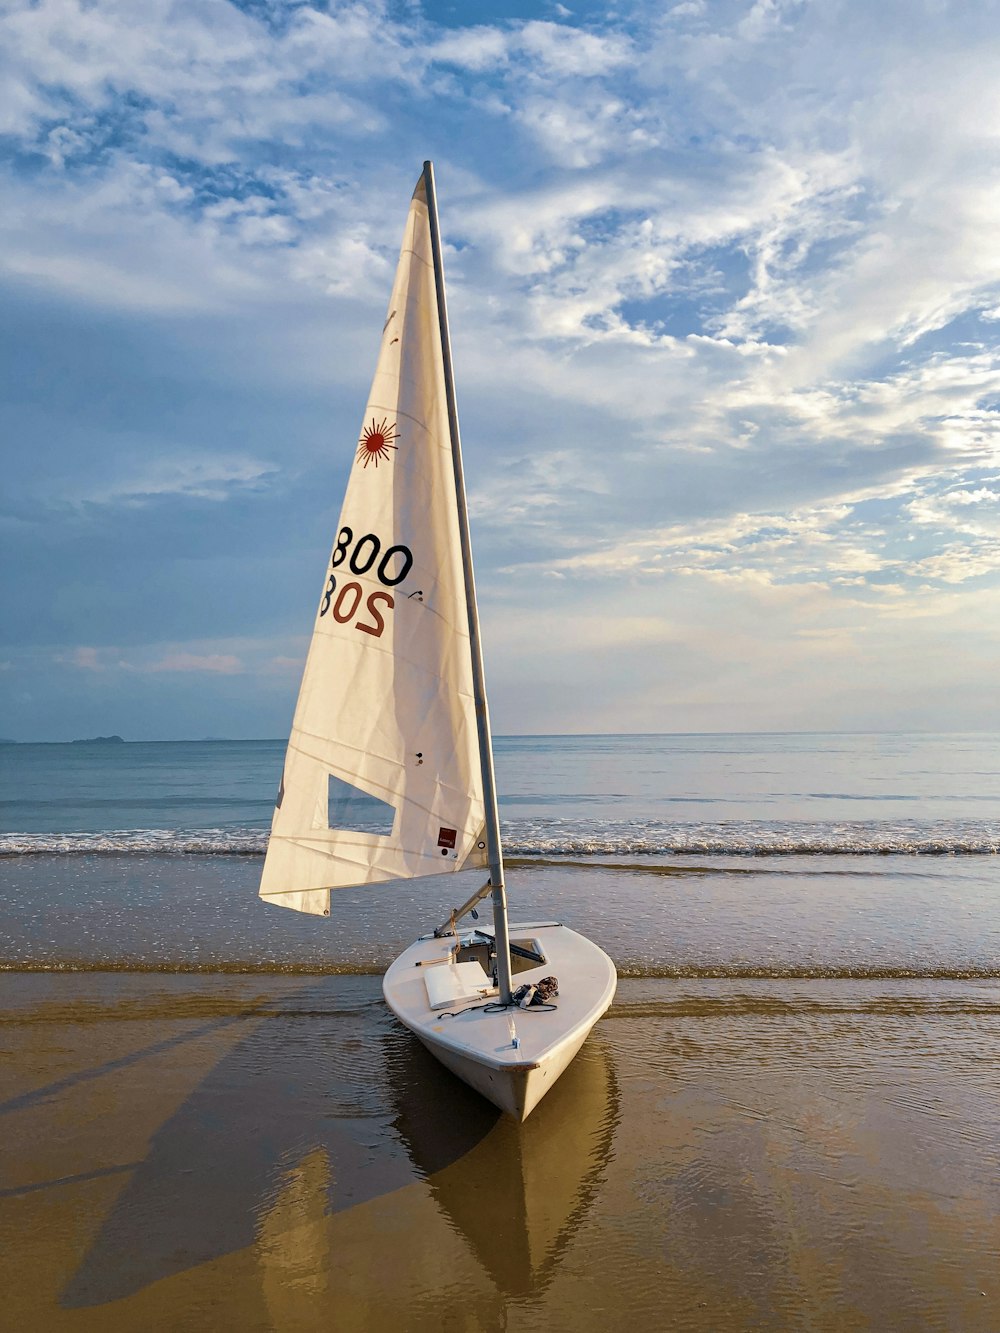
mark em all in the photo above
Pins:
pixel 511 1056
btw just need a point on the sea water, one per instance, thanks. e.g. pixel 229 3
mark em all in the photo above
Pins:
pixel 786 793
pixel 857 855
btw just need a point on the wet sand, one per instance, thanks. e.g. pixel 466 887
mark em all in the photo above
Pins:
pixel 837 916
pixel 273 1152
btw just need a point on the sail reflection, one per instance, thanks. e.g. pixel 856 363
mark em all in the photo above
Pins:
pixel 292 1244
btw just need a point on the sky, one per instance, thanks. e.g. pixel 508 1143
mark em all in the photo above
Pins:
pixel 724 287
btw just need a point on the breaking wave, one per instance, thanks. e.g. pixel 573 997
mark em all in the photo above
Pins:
pixel 564 837
pixel 166 842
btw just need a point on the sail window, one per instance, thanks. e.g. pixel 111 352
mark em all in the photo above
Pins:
pixel 350 808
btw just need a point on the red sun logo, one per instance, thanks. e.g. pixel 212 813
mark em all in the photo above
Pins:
pixel 376 441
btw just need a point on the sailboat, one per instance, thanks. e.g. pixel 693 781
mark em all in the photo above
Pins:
pixel 389 770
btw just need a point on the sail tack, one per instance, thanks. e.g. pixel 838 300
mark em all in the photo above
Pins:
pixel 386 713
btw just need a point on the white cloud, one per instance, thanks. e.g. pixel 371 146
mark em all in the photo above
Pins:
pixel 216 75
pixel 229 657
pixel 87 659
pixel 220 664
pixel 723 281
pixel 214 478
pixel 959 564
pixel 477 48
pixel 566 52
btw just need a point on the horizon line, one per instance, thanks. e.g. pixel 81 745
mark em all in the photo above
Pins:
pixel 527 735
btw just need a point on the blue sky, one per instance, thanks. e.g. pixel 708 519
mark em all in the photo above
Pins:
pixel 724 283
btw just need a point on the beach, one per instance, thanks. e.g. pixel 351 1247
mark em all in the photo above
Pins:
pixel 787 1120
pixel 275 1153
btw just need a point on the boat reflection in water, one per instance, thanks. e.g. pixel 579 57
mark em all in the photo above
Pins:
pixel 515 1193
pixel 488 1212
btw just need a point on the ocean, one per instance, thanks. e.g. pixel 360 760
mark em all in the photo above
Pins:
pixel 613 795
pixel 788 1119
pixel 855 855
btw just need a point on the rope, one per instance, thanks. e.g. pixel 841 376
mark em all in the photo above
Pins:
pixel 496 1007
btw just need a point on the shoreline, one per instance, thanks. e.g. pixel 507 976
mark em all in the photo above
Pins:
pixel 135 967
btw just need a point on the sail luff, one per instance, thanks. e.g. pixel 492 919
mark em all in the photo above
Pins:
pixel 494 847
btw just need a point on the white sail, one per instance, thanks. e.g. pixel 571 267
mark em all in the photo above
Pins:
pixel 386 707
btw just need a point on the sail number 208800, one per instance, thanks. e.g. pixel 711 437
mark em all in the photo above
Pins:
pixel 343 600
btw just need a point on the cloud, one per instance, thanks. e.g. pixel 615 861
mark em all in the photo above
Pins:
pixel 215 479
pixel 210 76
pixel 87 659
pixel 975 513
pixel 567 52
pixel 111 659
pixel 723 286
pixel 217 664
pixel 474 48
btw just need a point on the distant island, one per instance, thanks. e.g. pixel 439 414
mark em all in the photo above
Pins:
pixel 120 740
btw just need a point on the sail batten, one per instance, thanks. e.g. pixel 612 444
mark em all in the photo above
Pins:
pixel 388 701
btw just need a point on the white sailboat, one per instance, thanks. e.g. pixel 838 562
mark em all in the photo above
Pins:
pixel 389 770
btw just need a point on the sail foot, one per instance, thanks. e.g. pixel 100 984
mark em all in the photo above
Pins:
pixel 316 902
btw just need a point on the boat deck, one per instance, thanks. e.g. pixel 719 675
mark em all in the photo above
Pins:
pixel 511 1055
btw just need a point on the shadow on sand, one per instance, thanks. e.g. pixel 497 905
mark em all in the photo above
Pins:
pixel 329 1076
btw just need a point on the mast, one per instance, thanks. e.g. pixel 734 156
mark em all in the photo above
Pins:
pixel 494 850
